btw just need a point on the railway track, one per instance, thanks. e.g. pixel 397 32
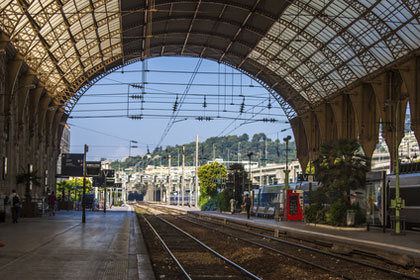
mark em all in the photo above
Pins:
pixel 265 265
pixel 335 265
pixel 186 252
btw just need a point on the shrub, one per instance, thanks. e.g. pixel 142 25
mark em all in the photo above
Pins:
pixel 223 199
pixel 315 213
pixel 209 205
pixel 360 214
pixel 337 214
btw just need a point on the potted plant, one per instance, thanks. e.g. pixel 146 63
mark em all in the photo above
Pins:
pixel 26 178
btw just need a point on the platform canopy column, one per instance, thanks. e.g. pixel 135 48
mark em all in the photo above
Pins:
pixel 326 122
pixel 301 141
pixel 410 73
pixel 387 88
pixel 344 117
pixel 312 131
pixel 367 115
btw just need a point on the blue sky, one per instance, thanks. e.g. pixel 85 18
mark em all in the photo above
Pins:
pixel 100 117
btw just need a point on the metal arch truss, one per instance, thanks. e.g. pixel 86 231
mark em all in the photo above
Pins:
pixel 70 43
pixel 72 101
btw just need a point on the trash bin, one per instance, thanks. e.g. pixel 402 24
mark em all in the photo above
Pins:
pixel 350 218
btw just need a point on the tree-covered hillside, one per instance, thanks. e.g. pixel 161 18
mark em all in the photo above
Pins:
pixel 276 151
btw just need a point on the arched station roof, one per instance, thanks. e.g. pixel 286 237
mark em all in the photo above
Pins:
pixel 304 50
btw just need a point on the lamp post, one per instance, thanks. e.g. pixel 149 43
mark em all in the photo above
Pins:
pixel 286 172
pixel 84 185
pixel 249 155
pixel 398 202
pixel 131 146
pixel 220 176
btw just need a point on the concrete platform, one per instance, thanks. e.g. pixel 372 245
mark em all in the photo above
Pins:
pixel 108 246
pixel 384 244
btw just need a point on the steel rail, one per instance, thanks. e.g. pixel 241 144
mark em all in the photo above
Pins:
pixel 166 247
pixel 274 250
pixel 396 273
pixel 241 269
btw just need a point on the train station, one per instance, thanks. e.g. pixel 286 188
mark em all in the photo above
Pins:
pixel 209 139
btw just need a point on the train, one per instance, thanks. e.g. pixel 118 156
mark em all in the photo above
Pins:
pixel 410 193
pixel 175 196
pixel 375 198
pixel 266 200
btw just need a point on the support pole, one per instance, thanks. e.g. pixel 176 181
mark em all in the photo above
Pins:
pixel 84 185
pixel 168 189
pixel 250 174
pixel 310 179
pixel 182 178
pixel 286 172
pixel 397 173
pixel 196 171
pixel 105 174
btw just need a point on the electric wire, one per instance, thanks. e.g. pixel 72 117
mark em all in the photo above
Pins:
pixel 175 113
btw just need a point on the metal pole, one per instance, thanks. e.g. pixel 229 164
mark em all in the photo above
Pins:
pixel 310 179
pixel 228 157
pixel 84 186
pixel 214 152
pixel 286 172
pixel 168 189
pixel 220 176
pixel 196 170
pixel 260 165
pixel 239 152
pixel 105 174
pixel 250 174
pixel 182 179
pixel 398 200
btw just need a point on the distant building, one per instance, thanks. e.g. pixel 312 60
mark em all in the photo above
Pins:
pixel 64 145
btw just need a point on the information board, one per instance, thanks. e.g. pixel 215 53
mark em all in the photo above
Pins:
pixel 72 165
pixel 93 168
pixel 109 173
pixel 98 181
pixel 293 205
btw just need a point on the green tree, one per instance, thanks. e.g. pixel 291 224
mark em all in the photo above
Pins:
pixel 206 174
pixel 27 178
pixel 69 186
pixel 63 187
pixel 340 168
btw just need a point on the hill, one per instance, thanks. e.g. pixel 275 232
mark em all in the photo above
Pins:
pixel 276 151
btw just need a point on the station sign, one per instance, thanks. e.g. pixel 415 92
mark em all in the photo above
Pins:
pixel 93 168
pixel 109 173
pixel 98 181
pixel 306 178
pixel 72 165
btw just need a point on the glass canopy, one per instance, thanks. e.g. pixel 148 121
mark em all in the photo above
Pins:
pixel 317 47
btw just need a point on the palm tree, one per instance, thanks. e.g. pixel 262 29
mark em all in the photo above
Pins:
pixel 28 177
pixel 63 186
pixel 341 167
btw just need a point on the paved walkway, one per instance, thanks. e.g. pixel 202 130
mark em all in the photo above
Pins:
pixel 108 246
pixel 408 244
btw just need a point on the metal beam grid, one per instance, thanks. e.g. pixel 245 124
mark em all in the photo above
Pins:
pixel 63 39
pixel 348 39
pixel 315 48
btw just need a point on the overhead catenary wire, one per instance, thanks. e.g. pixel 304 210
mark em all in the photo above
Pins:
pixel 169 110
pixel 175 113
pixel 160 116
pixel 168 102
